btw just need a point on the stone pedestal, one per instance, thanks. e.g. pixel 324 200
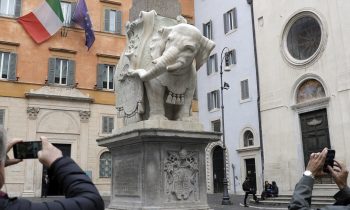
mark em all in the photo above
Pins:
pixel 157 168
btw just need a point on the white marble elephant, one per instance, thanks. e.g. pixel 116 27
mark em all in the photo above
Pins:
pixel 178 51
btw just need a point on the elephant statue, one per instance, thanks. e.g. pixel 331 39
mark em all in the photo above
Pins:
pixel 170 81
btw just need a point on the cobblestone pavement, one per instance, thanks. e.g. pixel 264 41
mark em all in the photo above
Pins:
pixel 214 201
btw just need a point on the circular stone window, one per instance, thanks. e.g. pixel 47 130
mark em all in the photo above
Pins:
pixel 303 38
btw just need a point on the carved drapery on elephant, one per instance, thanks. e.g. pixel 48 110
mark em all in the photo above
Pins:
pixel 167 67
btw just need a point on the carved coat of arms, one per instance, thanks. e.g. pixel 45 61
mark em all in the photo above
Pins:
pixel 181 175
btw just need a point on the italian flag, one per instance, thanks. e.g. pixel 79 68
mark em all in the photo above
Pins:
pixel 44 21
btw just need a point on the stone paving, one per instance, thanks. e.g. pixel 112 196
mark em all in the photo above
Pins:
pixel 214 201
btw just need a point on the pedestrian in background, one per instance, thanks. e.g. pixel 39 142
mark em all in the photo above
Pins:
pixel 303 190
pixel 249 189
pixel 274 189
pixel 267 190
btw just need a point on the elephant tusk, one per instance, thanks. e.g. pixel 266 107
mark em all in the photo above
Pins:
pixel 174 66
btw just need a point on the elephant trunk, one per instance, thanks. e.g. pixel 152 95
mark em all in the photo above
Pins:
pixel 165 62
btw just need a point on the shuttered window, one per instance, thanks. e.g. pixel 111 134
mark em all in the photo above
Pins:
pixel 8 63
pixel 61 72
pixel 212 64
pixel 230 57
pixel 213 100
pixel 107 124
pixel 10 8
pixel 2 116
pixel 244 89
pixel 208 30
pixel 230 20
pixel 105 73
pixel 68 10
pixel 113 21
pixel 216 125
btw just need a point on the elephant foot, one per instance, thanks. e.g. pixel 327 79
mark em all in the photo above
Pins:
pixel 157 117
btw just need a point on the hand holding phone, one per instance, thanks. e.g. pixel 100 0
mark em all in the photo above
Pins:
pixel 329 160
pixel 27 150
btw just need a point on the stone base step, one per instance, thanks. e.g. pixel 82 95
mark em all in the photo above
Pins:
pixel 284 200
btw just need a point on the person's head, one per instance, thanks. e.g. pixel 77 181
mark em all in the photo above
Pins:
pixel 266 182
pixel 2 155
pixel 274 183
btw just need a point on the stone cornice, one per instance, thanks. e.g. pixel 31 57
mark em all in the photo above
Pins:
pixel 108 56
pixel 111 2
pixel 60 93
pixel 9 43
pixel 248 149
pixel 62 50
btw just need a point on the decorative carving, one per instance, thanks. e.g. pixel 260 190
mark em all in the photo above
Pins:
pixel 181 178
pixel 161 57
pixel 33 112
pixel 314 122
pixel 84 116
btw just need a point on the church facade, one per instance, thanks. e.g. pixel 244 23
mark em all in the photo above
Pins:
pixel 304 75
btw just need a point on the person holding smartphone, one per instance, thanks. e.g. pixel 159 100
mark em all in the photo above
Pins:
pixel 303 190
pixel 79 190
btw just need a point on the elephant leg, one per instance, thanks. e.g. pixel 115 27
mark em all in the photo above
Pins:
pixel 155 94
pixel 184 112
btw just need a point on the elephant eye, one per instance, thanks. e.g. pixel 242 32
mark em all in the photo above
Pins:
pixel 190 47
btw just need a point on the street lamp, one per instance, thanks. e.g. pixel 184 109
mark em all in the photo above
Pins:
pixel 224 85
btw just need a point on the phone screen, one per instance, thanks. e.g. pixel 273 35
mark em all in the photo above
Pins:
pixel 27 150
pixel 329 160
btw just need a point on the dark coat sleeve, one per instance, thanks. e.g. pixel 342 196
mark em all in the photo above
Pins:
pixel 301 199
pixel 80 192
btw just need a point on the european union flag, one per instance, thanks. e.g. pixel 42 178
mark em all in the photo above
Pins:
pixel 82 18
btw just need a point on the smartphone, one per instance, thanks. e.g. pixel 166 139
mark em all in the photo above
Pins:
pixel 329 160
pixel 27 150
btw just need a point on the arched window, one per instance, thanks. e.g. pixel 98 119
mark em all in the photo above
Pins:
pixel 105 165
pixel 309 90
pixel 248 139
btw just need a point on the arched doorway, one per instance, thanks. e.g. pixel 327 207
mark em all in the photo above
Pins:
pixel 218 169
pixel 313 123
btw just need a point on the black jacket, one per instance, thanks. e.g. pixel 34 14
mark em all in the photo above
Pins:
pixel 80 192
pixel 303 192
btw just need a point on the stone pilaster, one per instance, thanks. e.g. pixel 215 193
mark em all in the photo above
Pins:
pixel 29 174
pixel 84 137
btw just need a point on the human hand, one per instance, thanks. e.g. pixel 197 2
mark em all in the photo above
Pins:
pixel 9 145
pixel 339 174
pixel 316 162
pixel 49 153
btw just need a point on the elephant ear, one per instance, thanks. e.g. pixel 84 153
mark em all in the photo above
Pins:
pixel 158 42
pixel 206 46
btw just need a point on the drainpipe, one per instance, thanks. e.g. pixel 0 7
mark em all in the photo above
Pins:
pixel 250 2
pixel 234 179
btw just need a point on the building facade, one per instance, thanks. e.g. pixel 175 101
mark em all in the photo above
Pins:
pixel 305 81
pixel 229 25
pixel 61 90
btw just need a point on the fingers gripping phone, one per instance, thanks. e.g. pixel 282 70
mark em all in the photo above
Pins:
pixel 27 150
pixel 329 160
